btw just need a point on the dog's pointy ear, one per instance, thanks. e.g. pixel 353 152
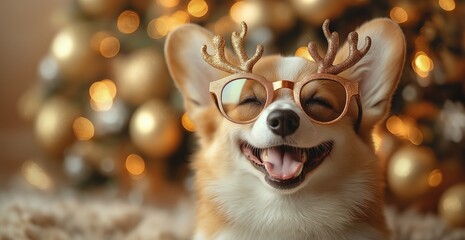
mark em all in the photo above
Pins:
pixel 379 71
pixel 189 71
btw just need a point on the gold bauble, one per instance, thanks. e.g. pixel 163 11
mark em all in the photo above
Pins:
pixel 54 125
pixel 101 7
pixel 452 205
pixel 408 171
pixel 72 49
pixel 315 12
pixel 154 129
pixel 142 76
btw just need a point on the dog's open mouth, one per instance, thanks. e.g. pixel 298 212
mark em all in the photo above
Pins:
pixel 285 167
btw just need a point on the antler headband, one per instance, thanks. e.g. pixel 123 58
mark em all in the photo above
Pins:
pixel 325 65
pixel 218 60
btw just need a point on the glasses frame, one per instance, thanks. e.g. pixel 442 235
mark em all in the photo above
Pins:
pixel 351 89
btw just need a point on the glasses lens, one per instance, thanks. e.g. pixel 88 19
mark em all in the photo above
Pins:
pixel 243 99
pixel 323 100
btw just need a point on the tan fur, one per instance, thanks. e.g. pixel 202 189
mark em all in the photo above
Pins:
pixel 341 199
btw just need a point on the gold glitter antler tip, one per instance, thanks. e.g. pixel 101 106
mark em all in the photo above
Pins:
pixel 218 59
pixel 325 65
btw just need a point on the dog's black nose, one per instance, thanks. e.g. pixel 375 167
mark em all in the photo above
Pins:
pixel 283 122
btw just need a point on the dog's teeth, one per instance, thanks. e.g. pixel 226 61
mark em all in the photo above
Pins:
pixel 304 156
pixel 264 155
pixel 299 171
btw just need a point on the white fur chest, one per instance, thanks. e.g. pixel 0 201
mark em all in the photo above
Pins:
pixel 255 212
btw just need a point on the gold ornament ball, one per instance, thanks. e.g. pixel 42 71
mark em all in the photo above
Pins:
pixel 101 7
pixel 154 129
pixel 142 76
pixel 53 125
pixel 452 205
pixel 315 12
pixel 408 171
pixel 72 49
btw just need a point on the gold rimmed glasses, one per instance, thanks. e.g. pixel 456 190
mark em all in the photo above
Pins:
pixel 325 98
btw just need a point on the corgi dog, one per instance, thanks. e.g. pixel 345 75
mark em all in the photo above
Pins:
pixel 285 144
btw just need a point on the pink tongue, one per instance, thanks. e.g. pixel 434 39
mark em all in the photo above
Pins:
pixel 283 164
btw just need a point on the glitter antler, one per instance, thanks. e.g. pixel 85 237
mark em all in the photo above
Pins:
pixel 325 65
pixel 218 60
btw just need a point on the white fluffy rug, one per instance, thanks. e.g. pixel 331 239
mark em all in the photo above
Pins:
pixel 37 216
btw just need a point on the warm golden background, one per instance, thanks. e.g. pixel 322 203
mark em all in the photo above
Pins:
pixel 86 103
pixel 27 28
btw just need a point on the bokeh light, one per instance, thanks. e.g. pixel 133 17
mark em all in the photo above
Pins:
pixel 36 176
pixel 249 12
pixel 155 29
pixel 146 122
pixel 109 47
pixel 447 5
pixel 187 123
pixel 435 178
pixel 309 2
pixel 83 128
pixel 399 15
pixel 161 26
pixel 178 18
pixel 63 45
pixel 102 94
pixel 405 128
pixel 168 3
pixel 128 22
pixel 49 69
pixel 197 8
pixel 422 64
pixel 135 165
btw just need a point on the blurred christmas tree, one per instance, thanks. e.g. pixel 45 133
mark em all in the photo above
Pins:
pixel 105 108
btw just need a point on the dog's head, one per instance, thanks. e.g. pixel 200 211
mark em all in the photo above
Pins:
pixel 286 120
